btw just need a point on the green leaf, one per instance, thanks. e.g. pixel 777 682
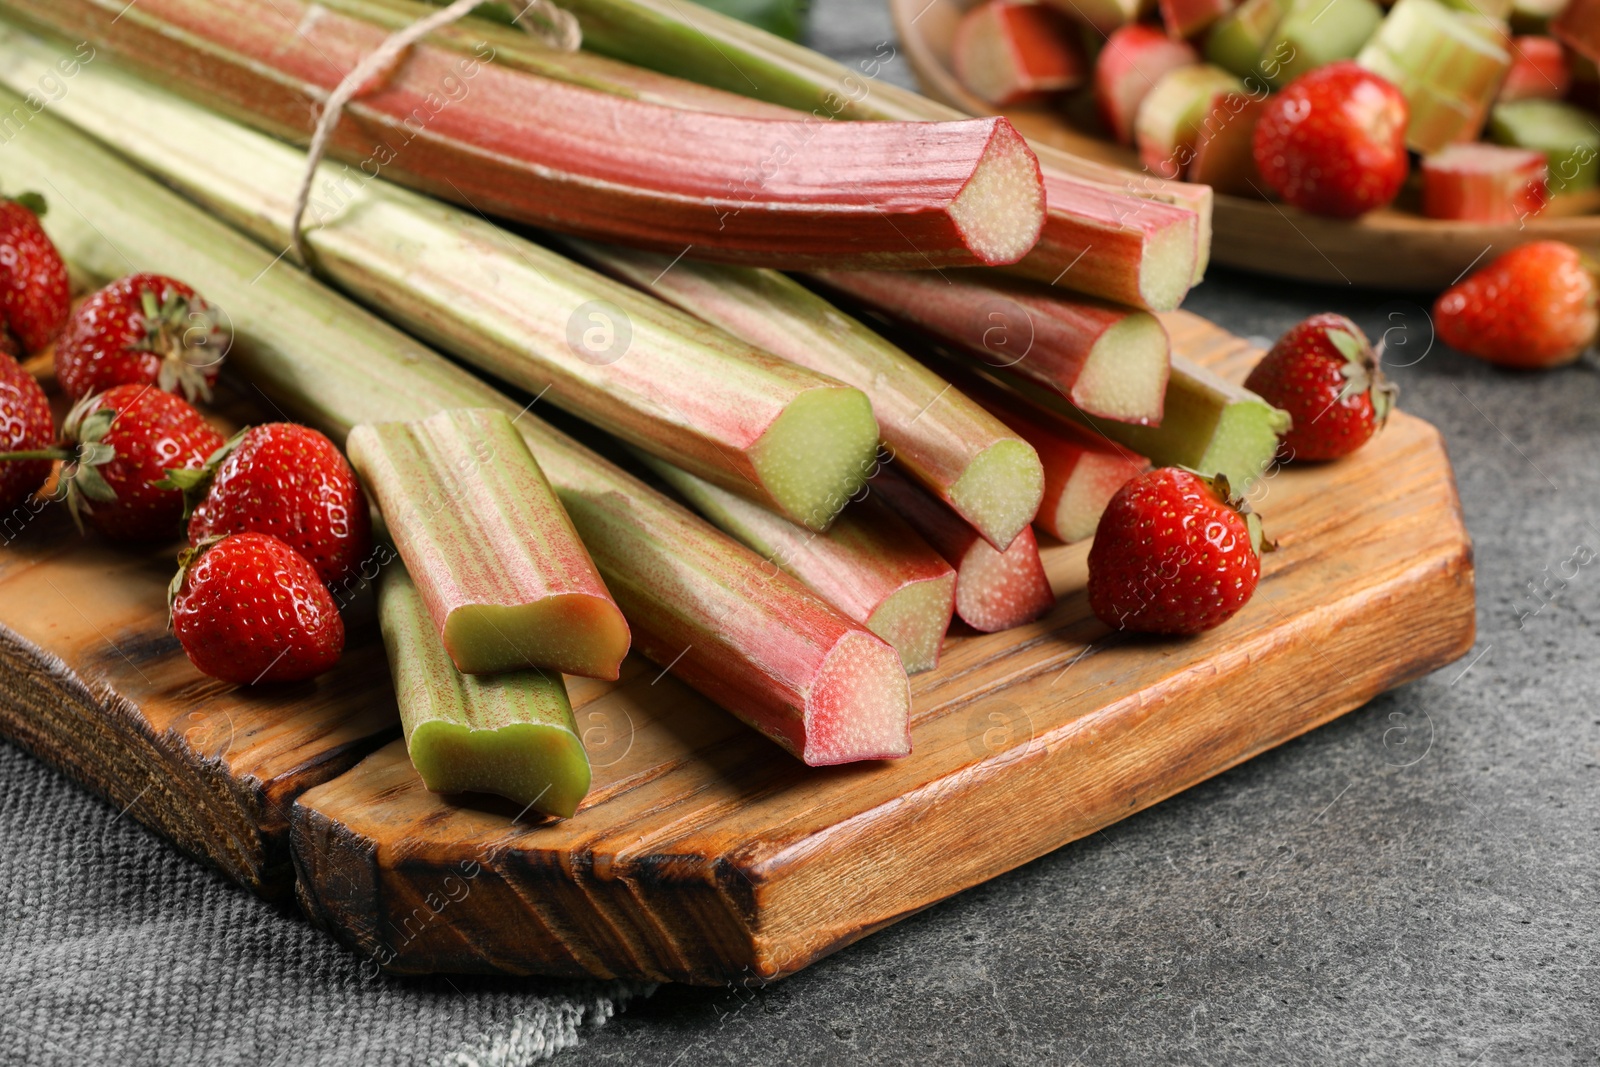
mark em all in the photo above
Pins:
pixel 1351 347
pixel 33 202
pixel 91 484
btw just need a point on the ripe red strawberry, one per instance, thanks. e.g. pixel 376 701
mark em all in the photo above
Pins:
pixel 26 425
pixel 145 329
pixel 1534 306
pixel 126 440
pixel 34 293
pixel 1326 376
pixel 289 481
pixel 1174 554
pixel 247 608
pixel 1334 141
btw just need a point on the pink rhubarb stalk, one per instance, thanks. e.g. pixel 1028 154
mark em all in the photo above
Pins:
pixel 494 557
pixel 994 590
pixel 1485 183
pixel 870 564
pixel 1007 52
pixel 951 446
pixel 1110 361
pixel 1130 63
pixel 1538 71
pixel 582 161
pixel 1185 18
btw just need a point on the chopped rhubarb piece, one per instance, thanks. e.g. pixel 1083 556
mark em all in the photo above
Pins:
pixel 1223 158
pixel 1082 469
pixel 1185 18
pixel 1496 10
pixel 1009 53
pixel 1236 43
pixel 948 444
pixel 994 590
pixel 512 735
pixel 870 564
pixel 1172 114
pixel 1564 133
pixel 498 563
pixel 1108 360
pixel 1484 183
pixel 1132 60
pixel 1538 71
pixel 1314 33
pixel 1448 71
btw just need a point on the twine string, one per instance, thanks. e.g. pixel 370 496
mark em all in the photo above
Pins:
pixel 559 30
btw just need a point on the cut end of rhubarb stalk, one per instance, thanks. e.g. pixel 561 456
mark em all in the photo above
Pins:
pixel 818 453
pixel 1000 211
pixel 1125 376
pixel 1168 268
pixel 579 633
pixel 1000 490
pixel 1095 480
pixel 914 620
pixel 999 590
pixel 544 767
pixel 859 706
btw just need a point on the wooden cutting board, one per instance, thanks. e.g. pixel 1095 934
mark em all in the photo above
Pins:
pixel 704 854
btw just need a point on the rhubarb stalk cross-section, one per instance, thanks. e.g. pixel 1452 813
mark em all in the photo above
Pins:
pixel 496 559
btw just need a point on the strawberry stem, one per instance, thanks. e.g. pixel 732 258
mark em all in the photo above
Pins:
pixel 38 453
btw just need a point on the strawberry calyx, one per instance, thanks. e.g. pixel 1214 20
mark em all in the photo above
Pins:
pixel 186 559
pixel 1219 485
pixel 195 482
pixel 185 332
pixel 33 201
pixel 83 452
pixel 1363 372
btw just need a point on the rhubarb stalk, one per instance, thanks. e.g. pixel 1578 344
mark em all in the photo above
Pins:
pixel 794 440
pixel 947 443
pixel 1135 239
pixel 498 564
pixel 870 564
pixel 710 610
pixel 994 590
pixel 1108 360
pixel 1485 183
pixel 512 735
pixel 1008 52
pixel 517 144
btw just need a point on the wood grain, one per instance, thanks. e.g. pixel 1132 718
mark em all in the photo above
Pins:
pixel 1395 248
pixel 703 853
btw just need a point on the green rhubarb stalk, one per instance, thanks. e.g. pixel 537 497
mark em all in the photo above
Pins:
pixel 710 610
pixel 794 440
pixel 1565 133
pixel 1209 425
pixel 512 735
pixel 1448 71
pixel 1315 33
pixel 1147 254
pixel 1108 360
pixel 955 449
pixel 505 578
pixel 870 564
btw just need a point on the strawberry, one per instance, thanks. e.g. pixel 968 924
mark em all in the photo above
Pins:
pixel 289 481
pixel 247 608
pixel 1326 376
pixel 34 292
pixel 1174 553
pixel 144 329
pixel 26 426
pixel 1534 306
pixel 122 444
pixel 1334 141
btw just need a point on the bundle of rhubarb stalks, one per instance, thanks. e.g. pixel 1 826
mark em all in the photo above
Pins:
pixel 1322 103
pixel 829 375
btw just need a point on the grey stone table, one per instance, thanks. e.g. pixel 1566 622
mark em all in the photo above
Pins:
pixel 1414 883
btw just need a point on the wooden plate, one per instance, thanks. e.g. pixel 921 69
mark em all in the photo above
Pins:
pixel 704 853
pixel 1390 249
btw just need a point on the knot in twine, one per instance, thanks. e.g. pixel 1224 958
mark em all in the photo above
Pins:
pixel 559 30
